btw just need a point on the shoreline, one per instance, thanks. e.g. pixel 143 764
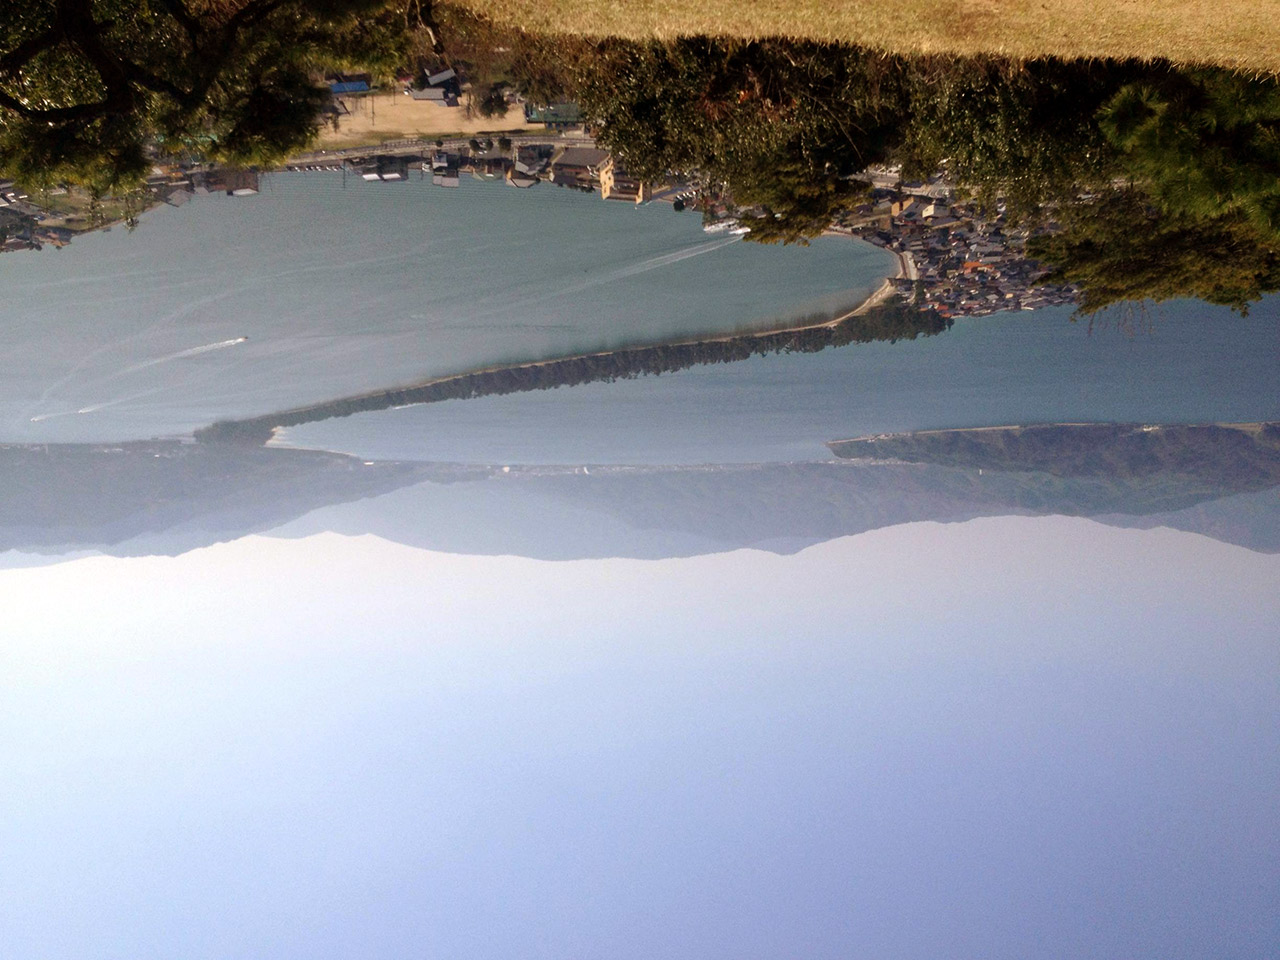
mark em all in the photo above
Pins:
pixel 877 298
pixel 1245 426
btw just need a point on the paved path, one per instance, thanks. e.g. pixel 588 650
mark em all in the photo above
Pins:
pixel 420 146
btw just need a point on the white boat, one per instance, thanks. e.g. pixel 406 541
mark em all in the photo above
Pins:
pixel 723 226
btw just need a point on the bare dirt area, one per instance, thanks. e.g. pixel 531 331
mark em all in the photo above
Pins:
pixel 396 116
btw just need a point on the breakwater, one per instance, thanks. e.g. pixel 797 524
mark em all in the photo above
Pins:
pixel 890 321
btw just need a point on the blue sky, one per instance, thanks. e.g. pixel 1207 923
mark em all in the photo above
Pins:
pixel 1004 738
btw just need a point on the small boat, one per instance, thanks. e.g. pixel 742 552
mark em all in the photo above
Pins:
pixel 723 226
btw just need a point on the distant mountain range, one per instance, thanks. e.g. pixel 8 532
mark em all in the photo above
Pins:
pixel 669 511
pixel 167 497
pixel 1237 456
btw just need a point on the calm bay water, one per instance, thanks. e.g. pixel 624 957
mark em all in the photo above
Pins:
pixel 340 289
pixel 1190 363
pixel 344 289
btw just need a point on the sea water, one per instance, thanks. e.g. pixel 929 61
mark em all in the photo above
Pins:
pixel 1183 362
pixel 320 287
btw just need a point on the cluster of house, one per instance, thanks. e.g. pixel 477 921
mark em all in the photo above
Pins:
pixel 965 263
pixel 25 225
pixel 443 87
pixel 30 223
pixel 589 169
pixel 175 184
pixel 10 194
pixel 27 231
pixel 524 165
pixel 19 220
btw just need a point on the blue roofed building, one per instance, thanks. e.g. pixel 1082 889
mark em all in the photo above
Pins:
pixel 341 85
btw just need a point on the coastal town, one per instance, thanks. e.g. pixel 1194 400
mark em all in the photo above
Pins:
pixel 957 260
pixel 955 257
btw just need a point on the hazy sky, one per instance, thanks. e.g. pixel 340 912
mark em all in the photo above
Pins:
pixel 1012 738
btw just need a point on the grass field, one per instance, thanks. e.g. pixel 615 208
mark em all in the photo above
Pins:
pixel 1234 33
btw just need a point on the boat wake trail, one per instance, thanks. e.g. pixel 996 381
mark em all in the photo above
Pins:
pixel 667 259
pixel 95 407
pixel 145 364
pixel 183 354
pixel 653 263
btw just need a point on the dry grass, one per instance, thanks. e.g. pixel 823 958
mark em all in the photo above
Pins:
pixel 1234 33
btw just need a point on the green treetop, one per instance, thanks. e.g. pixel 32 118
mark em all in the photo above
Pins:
pixel 87 85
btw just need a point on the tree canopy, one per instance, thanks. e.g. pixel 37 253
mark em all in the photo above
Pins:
pixel 1122 247
pixel 87 85
pixel 1024 132
pixel 782 125
pixel 1205 142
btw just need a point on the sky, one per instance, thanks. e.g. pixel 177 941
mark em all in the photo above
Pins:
pixel 1012 737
